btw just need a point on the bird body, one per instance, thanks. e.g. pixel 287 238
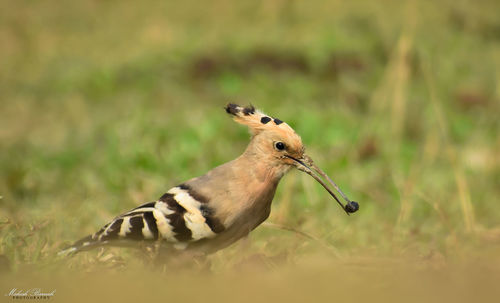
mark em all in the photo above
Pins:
pixel 210 212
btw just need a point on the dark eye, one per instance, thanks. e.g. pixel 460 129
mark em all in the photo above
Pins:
pixel 279 145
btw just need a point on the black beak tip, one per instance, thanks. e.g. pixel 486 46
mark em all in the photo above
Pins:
pixel 352 207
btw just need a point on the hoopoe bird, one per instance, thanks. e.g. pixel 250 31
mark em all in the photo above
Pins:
pixel 210 212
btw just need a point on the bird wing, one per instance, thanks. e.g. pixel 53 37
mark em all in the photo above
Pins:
pixel 180 216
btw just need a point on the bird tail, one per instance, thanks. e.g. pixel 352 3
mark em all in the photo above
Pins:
pixel 83 244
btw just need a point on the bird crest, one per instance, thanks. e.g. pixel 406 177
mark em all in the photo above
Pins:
pixel 256 120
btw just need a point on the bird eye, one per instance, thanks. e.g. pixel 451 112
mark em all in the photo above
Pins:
pixel 279 145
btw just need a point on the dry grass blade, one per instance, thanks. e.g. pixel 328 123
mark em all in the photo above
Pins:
pixel 329 247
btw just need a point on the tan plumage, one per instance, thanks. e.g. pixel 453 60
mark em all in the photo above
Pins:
pixel 212 211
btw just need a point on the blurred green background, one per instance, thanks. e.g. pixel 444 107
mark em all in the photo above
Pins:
pixel 107 104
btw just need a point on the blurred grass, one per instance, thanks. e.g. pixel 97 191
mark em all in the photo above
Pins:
pixel 107 104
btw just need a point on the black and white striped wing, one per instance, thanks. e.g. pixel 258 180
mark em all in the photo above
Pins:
pixel 180 216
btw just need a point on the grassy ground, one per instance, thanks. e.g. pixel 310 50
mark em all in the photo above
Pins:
pixel 107 104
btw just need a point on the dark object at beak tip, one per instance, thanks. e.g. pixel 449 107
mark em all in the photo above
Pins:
pixel 352 207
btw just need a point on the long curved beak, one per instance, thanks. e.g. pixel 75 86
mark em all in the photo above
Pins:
pixel 306 163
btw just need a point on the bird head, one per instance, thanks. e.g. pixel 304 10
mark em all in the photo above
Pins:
pixel 277 143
